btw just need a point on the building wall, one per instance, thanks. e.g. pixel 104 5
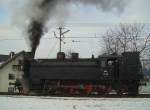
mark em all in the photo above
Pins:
pixel 10 69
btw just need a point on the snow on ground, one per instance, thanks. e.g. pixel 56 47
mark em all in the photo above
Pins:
pixel 145 89
pixel 60 103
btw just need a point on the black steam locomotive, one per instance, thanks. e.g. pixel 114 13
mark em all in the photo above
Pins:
pixel 76 76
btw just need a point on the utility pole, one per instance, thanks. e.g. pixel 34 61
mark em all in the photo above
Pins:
pixel 61 37
pixel 60 34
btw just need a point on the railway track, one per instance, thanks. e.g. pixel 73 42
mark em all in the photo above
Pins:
pixel 97 96
pixel 141 95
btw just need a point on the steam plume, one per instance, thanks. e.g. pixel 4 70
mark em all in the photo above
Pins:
pixel 38 12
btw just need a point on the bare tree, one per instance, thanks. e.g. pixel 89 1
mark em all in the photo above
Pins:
pixel 127 37
pixel 111 43
pixel 123 36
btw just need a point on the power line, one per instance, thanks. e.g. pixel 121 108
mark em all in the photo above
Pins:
pixel 65 37
pixel 9 39
pixel 49 38
pixel 74 37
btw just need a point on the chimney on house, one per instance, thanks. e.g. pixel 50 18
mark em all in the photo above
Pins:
pixel 12 54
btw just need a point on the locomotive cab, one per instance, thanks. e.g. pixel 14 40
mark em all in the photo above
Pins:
pixel 123 71
pixel 109 66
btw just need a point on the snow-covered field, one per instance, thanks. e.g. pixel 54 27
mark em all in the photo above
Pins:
pixel 60 103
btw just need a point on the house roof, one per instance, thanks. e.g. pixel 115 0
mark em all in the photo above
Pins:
pixel 11 59
pixel 4 57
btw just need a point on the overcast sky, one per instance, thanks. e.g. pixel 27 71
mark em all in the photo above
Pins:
pixel 83 21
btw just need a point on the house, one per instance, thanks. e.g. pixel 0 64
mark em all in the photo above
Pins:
pixel 10 72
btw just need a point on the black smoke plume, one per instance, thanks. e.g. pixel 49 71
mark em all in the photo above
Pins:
pixel 35 28
pixel 35 31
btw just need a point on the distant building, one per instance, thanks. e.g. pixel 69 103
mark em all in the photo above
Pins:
pixel 11 71
pixel 3 58
pixel 146 66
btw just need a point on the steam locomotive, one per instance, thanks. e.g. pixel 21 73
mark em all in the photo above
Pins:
pixel 76 76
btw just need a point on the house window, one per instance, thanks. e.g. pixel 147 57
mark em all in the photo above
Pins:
pixel 10 89
pixel 16 67
pixel 10 83
pixel 20 62
pixel 11 76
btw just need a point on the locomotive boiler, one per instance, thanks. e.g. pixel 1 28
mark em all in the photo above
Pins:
pixel 85 76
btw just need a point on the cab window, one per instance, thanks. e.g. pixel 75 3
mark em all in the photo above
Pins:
pixel 103 64
pixel 110 62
